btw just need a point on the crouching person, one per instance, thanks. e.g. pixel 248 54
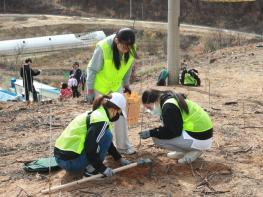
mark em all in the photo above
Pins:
pixel 84 144
pixel 187 129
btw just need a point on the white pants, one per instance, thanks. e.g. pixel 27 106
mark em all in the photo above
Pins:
pixel 183 143
pixel 120 132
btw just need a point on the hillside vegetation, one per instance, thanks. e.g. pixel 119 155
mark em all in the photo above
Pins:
pixel 246 16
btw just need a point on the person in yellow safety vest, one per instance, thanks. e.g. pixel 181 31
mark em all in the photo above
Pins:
pixel 109 70
pixel 187 129
pixel 85 142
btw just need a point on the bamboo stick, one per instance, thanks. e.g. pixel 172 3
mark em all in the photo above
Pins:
pixel 74 183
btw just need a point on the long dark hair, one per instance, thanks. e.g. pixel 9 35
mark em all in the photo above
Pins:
pixel 125 36
pixel 152 95
pixel 116 56
pixel 102 100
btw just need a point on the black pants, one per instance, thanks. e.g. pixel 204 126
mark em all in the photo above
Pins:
pixel 75 91
pixel 34 92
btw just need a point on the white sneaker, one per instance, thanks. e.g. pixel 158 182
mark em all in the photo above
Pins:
pixel 89 168
pixel 175 155
pixel 190 157
pixel 128 151
pixel 90 171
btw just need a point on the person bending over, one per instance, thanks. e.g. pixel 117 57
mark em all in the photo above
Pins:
pixel 187 129
pixel 86 141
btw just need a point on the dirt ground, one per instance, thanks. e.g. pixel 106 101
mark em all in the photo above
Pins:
pixel 231 92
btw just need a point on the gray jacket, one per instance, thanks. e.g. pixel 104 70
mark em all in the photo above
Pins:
pixel 96 64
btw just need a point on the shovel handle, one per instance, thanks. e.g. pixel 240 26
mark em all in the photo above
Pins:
pixel 83 180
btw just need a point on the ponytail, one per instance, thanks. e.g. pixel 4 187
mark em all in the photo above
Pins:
pixel 180 98
pixel 99 101
pixel 102 100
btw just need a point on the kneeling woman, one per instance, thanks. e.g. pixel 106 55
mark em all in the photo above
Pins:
pixel 84 144
pixel 187 129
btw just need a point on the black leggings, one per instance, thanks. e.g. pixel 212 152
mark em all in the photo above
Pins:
pixel 34 92
pixel 75 91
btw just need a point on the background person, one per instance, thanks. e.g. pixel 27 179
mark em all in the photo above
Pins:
pixel 187 129
pixel 109 70
pixel 73 84
pixel 65 92
pixel 82 82
pixel 76 72
pixel 85 142
pixel 27 73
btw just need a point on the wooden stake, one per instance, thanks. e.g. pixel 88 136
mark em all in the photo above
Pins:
pixel 74 183
pixel 209 90
pixel 50 150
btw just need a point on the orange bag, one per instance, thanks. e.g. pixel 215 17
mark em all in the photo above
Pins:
pixel 132 107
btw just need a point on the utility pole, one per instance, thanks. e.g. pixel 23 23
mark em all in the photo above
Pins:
pixel 130 9
pixel 173 42
pixel 142 10
pixel 4 6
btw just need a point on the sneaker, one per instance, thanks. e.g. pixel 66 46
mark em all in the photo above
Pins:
pixel 90 171
pixel 128 151
pixel 88 174
pixel 175 155
pixel 190 157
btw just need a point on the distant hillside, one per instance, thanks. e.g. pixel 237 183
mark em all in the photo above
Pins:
pixel 240 16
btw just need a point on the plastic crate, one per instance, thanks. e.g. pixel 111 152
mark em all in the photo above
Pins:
pixel 132 108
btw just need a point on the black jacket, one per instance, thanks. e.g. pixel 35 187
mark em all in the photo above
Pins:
pixel 76 74
pixel 173 123
pixel 91 147
pixel 27 74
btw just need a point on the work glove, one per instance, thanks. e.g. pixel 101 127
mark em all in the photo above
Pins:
pixel 124 162
pixel 108 172
pixel 90 96
pixel 127 89
pixel 144 134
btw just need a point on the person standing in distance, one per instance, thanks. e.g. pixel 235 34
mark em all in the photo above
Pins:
pixel 109 70
pixel 27 73
pixel 76 71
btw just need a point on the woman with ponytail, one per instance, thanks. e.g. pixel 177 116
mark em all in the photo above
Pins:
pixel 84 144
pixel 109 70
pixel 187 129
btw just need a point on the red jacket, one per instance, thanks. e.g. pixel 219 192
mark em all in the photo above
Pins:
pixel 65 93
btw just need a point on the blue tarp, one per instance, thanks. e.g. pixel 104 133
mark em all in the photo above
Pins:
pixel 6 95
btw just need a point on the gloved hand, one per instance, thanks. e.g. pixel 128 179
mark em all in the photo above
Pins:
pixel 90 96
pixel 124 162
pixel 144 134
pixel 108 172
pixel 127 89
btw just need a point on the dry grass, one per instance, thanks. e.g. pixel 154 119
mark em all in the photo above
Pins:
pixel 221 40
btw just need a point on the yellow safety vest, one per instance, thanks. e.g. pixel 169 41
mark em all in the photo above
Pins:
pixel 197 120
pixel 109 79
pixel 74 136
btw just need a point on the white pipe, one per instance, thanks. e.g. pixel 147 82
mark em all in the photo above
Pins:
pixel 49 43
pixel 173 42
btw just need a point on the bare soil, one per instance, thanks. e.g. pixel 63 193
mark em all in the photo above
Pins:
pixel 231 92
